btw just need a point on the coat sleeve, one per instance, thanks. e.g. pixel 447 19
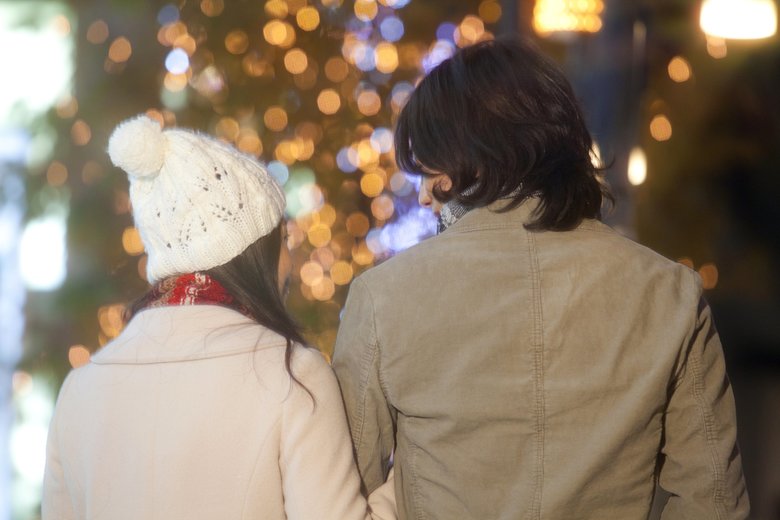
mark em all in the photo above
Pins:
pixel 56 503
pixel 319 476
pixel 700 462
pixel 356 362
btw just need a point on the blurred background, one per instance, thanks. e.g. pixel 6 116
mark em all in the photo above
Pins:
pixel 682 97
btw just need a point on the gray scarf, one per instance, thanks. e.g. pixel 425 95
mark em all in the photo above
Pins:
pixel 451 212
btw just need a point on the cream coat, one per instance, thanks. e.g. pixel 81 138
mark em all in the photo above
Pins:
pixel 551 375
pixel 189 414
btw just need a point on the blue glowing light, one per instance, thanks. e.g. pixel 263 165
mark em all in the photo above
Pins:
pixel 279 171
pixel 168 14
pixel 392 28
pixel 374 242
pixel 397 4
pixel 400 93
pixel 177 61
pixel 413 225
pixel 446 31
pixel 364 58
pixel 442 50
pixel 344 162
pixel 382 140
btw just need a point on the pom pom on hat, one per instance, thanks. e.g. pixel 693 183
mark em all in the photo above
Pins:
pixel 197 202
pixel 138 147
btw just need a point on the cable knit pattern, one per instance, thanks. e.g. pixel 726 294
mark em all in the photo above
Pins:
pixel 197 202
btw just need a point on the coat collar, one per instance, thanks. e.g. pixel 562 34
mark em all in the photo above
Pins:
pixel 186 333
pixel 491 217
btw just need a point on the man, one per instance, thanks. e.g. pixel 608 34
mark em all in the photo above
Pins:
pixel 529 362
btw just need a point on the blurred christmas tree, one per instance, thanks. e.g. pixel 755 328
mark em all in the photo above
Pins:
pixel 309 88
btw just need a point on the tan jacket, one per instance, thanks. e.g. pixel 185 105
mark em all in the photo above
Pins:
pixel 548 375
pixel 189 414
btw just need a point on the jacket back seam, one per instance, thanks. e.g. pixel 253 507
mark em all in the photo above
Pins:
pixel 537 344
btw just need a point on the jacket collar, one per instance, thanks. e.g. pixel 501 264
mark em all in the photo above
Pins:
pixel 186 333
pixel 491 217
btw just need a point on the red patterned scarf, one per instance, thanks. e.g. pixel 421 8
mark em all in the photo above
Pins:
pixel 190 289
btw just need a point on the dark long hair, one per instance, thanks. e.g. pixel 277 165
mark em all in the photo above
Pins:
pixel 501 120
pixel 252 278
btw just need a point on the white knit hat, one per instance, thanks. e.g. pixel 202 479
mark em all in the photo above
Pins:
pixel 197 202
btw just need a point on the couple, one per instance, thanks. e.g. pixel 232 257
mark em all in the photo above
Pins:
pixel 526 363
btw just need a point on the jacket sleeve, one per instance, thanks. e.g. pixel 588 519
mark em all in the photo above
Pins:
pixel 356 362
pixel 56 503
pixel 701 466
pixel 319 476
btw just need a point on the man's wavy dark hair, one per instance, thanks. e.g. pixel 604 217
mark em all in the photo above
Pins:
pixel 502 121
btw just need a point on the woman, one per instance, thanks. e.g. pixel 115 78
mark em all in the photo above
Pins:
pixel 207 405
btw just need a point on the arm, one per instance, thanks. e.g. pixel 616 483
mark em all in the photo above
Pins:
pixel 356 362
pixel 702 467
pixel 319 477
pixel 56 502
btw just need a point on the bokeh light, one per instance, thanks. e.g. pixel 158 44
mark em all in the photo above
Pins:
pixel 391 28
pixel 308 18
pixel 386 57
pixel 637 166
pixel 120 50
pixel 276 8
pixel 369 103
pixel 551 16
pixel 295 61
pixel 336 69
pixel 661 128
pixel 490 11
pixel 328 101
pixel 709 275
pixel 366 10
pixel 279 33
pixel 80 133
pixel 168 13
pixel 78 355
pixel 275 118
pixel 212 8
pixel 131 241
pixel 679 69
pixel 56 174
pixel 97 32
pixel 177 61
pixel 236 42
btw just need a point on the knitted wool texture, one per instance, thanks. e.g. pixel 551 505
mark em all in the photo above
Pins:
pixel 197 202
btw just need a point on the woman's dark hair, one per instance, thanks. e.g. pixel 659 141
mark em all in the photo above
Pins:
pixel 251 278
pixel 501 120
